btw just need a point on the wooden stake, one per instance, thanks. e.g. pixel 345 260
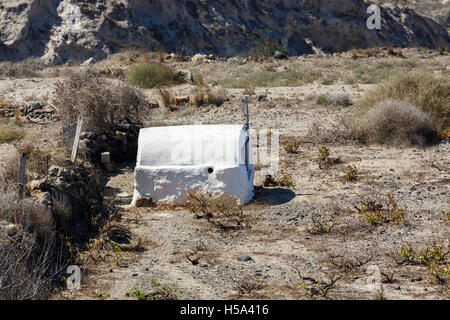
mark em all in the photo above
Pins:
pixel 76 141
pixel 23 161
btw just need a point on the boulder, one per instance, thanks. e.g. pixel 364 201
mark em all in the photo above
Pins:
pixel 185 76
pixel 144 202
pixel 179 100
pixel 279 55
pixel 199 57
pixel 88 62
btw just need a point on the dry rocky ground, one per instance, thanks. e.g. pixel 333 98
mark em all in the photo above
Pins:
pixel 306 241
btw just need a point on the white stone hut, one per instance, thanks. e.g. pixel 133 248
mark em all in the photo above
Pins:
pixel 175 161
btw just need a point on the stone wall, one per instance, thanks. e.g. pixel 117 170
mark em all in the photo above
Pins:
pixel 74 195
pixel 121 143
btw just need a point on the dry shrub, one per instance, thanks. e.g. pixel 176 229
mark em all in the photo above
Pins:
pixel 199 80
pixel 374 212
pixel 25 69
pixel 430 93
pixel 152 75
pixel 9 170
pixel 223 212
pixel 36 158
pixel 132 56
pixel 292 146
pixel 440 49
pixel 36 164
pixel 206 95
pixel 254 54
pixel 321 225
pixel 322 100
pixel 27 254
pixel 216 97
pixel 249 284
pixel 393 122
pixel 249 90
pixel 32 217
pixel 24 268
pixel 336 100
pixel 197 96
pixel 62 212
pixel 166 97
pixel 283 177
pixel 340 100
pixel 161 56
pixel 101 102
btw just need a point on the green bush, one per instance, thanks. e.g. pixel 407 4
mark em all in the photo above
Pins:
pixel 151 75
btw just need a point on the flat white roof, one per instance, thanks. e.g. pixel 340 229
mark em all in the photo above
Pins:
pixel 191 145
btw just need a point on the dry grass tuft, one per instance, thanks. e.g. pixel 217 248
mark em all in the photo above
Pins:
pixel 166 97
pixel 199 80
pixel 10 134
pixel 206 95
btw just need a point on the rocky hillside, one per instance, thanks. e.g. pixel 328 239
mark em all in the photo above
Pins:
pixel 75 30
pixel 438 9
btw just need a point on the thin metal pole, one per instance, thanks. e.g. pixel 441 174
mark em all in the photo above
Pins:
pixel 246 112
pixel 247 127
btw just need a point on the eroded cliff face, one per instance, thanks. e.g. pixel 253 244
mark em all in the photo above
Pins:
pixel 75 30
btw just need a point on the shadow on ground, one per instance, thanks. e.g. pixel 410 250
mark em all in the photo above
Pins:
pixel 272 196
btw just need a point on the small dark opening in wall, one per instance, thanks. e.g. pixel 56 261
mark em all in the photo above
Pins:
pixel 210 170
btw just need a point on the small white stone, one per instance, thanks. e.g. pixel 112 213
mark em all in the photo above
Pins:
pixel 106 157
